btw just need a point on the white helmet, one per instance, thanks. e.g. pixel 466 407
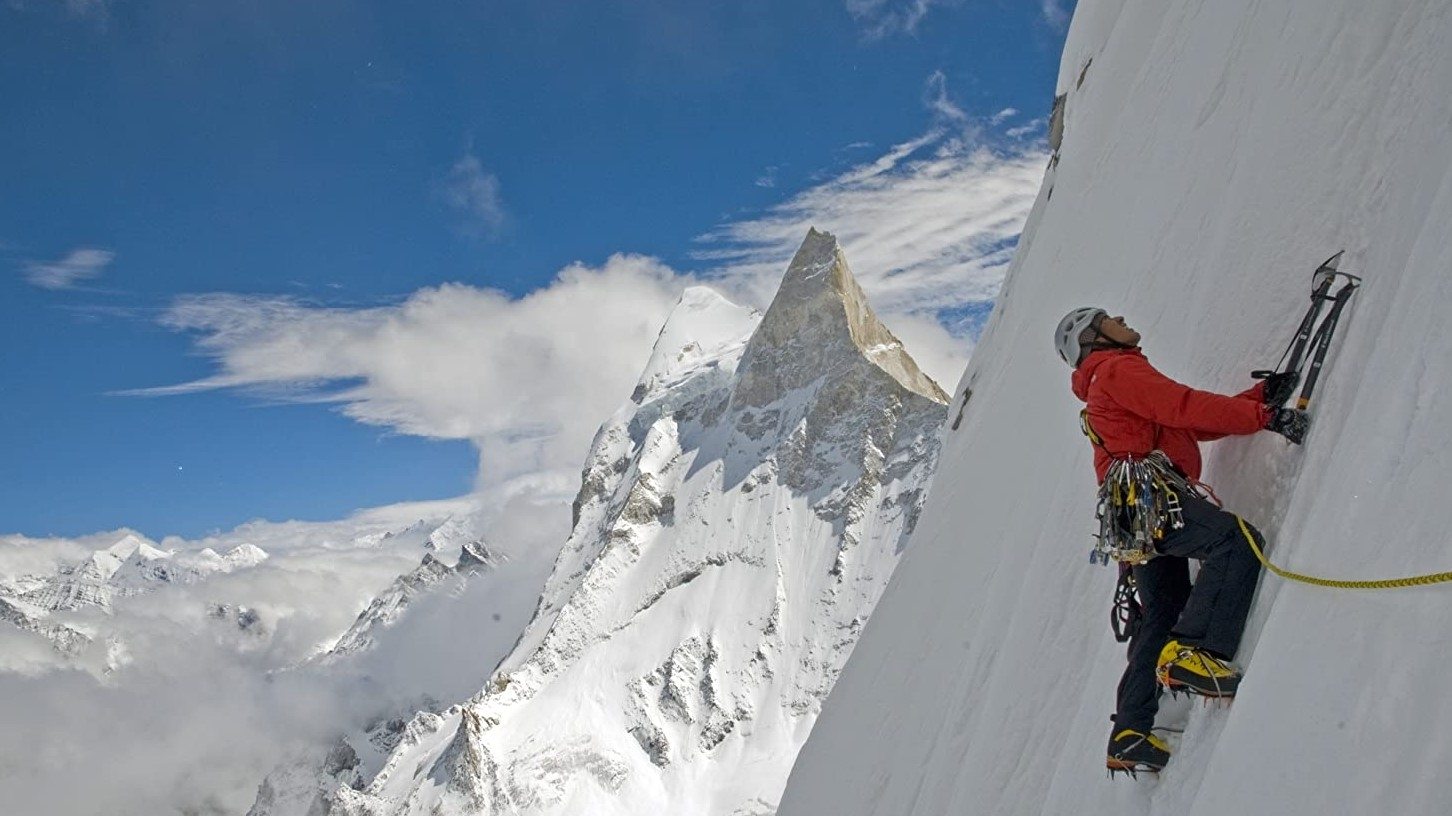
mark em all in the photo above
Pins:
pixel 1068 336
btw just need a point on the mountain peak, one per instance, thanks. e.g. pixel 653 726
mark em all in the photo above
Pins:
pixel 126 545
pixel 245 555
pixel 703 326
pixel 819 320
pixel 474 554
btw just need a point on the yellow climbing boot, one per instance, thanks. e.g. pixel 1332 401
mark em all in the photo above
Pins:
pixel 1134 751
pixel 1187 668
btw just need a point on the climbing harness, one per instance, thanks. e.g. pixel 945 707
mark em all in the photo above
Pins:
pixel 1309 335
pixel 1333 583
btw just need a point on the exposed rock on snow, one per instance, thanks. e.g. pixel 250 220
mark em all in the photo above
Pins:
pixel 735 524
pixel 66 639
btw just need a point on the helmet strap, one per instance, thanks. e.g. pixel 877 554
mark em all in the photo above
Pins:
pixel 1102 340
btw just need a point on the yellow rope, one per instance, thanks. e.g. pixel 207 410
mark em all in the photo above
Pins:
pixel 1389 583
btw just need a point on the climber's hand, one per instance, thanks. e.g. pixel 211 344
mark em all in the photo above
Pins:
pixel 1290 423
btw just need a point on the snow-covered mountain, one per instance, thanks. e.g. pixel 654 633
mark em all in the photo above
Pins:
pixel 68 640
pixel 129 567
pixel 736 522
pixel 75 605
pixel 1212 155
pixel 474 557
pixel 132 566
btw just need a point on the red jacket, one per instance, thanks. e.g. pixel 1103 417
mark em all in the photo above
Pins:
pixel 1135 409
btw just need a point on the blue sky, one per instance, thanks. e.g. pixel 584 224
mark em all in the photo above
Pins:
pixel 320 168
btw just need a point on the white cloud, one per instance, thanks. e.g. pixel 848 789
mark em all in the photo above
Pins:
pixel 880 18
pixel 527 380
pixel 1054 13
pixel 936 99
pixel 929 228
pixel 78 265
pixel 22 555
pixel 1027 129
pixel 473 192
pixel 1003 115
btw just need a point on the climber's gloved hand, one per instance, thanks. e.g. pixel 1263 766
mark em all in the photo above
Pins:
pixel 1290 423
pixel 1278 387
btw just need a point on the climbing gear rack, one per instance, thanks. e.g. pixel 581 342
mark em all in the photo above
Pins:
pixel 1139 502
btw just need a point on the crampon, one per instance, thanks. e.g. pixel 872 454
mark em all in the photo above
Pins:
pixel 1134 752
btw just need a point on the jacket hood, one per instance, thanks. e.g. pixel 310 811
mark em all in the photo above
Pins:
pixel 1084 374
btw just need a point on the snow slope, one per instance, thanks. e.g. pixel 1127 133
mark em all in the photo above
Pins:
pixel 1213 154
pixel 736 522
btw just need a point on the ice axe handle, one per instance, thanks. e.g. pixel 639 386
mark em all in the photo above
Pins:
pixel 1261 374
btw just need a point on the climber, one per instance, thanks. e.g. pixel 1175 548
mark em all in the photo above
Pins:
pixel 1188 634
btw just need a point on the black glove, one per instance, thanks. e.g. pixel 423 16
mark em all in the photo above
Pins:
pixel 1290 423
pixel 1278 387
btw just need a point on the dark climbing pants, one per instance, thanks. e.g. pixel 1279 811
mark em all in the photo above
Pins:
pixel 1210 615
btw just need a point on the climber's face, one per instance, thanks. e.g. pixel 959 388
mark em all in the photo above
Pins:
pixel 1114 329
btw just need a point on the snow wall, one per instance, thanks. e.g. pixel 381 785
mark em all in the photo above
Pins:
pixel 1213 154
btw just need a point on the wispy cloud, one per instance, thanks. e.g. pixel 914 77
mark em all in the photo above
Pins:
pixel 1054 13
pixel 1027 129
pixel 1002 116
pixel 929 227
pixel 936 99
pixel 473 193
pixel 767 177
pixel 882 18
pixel 78 265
